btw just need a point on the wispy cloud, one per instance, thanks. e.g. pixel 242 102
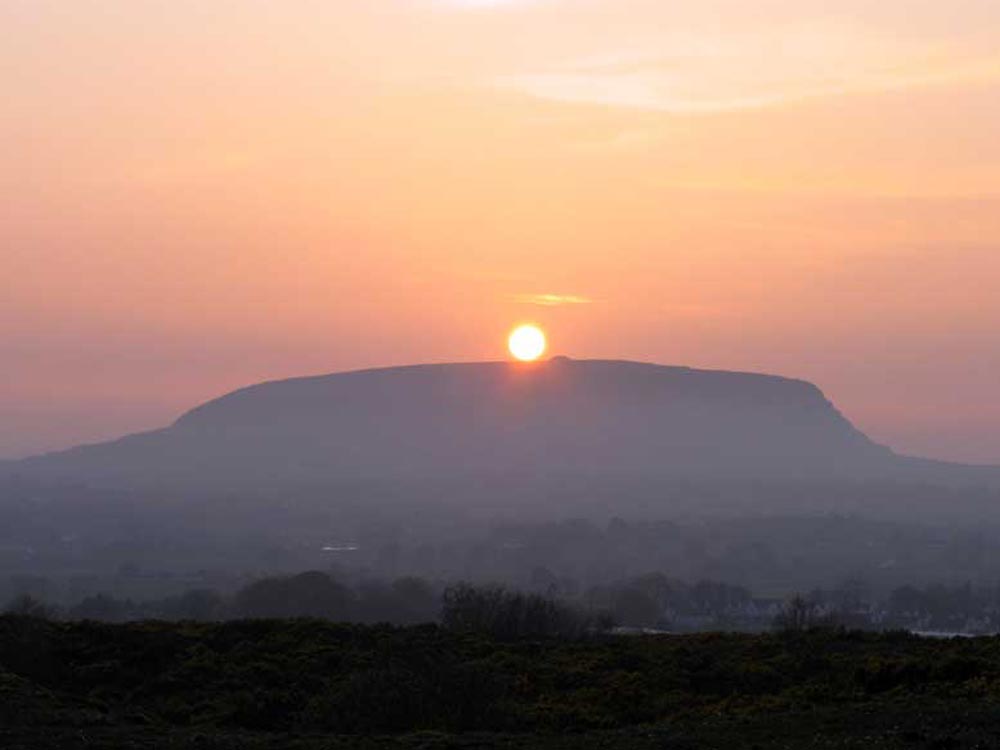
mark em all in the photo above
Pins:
pixel 552 300
pixel 688 75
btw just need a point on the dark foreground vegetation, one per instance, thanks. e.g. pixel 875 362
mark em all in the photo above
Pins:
pixel 314 684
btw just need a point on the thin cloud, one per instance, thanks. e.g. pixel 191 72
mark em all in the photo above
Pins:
pixel 697 76
pixel 552 300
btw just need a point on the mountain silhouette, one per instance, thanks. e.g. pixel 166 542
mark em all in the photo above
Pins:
pixel 540 421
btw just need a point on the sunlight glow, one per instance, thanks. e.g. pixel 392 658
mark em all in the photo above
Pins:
pixel 527 343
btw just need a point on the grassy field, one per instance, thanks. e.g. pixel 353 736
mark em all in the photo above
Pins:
pixel 312 684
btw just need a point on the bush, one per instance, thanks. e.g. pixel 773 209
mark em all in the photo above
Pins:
pixel 27 647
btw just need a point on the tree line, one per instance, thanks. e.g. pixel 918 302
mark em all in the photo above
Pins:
pixel 650 601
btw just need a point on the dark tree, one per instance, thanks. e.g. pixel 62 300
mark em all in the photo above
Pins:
pixel 312 594
pixel 25 605
pixel 801 614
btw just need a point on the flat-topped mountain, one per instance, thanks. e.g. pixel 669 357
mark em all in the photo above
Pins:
pixel 546 420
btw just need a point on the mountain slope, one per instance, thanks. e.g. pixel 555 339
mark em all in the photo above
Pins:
pixel 542 421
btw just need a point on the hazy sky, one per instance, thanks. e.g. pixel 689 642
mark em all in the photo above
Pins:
pixel 200 194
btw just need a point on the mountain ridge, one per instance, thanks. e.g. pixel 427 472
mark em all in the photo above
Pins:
pixel 528 421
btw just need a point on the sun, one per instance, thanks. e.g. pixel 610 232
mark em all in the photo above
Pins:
pixel 527 343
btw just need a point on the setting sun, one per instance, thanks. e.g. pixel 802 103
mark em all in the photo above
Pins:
pixel 527 343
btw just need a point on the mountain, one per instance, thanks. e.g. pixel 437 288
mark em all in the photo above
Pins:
pixel 494 420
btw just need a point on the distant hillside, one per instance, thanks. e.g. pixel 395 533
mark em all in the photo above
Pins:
pixel 545 421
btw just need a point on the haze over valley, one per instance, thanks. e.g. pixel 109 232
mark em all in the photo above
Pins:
pixel 592 471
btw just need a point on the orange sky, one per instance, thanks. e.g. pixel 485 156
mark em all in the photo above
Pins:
pixel 199 195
